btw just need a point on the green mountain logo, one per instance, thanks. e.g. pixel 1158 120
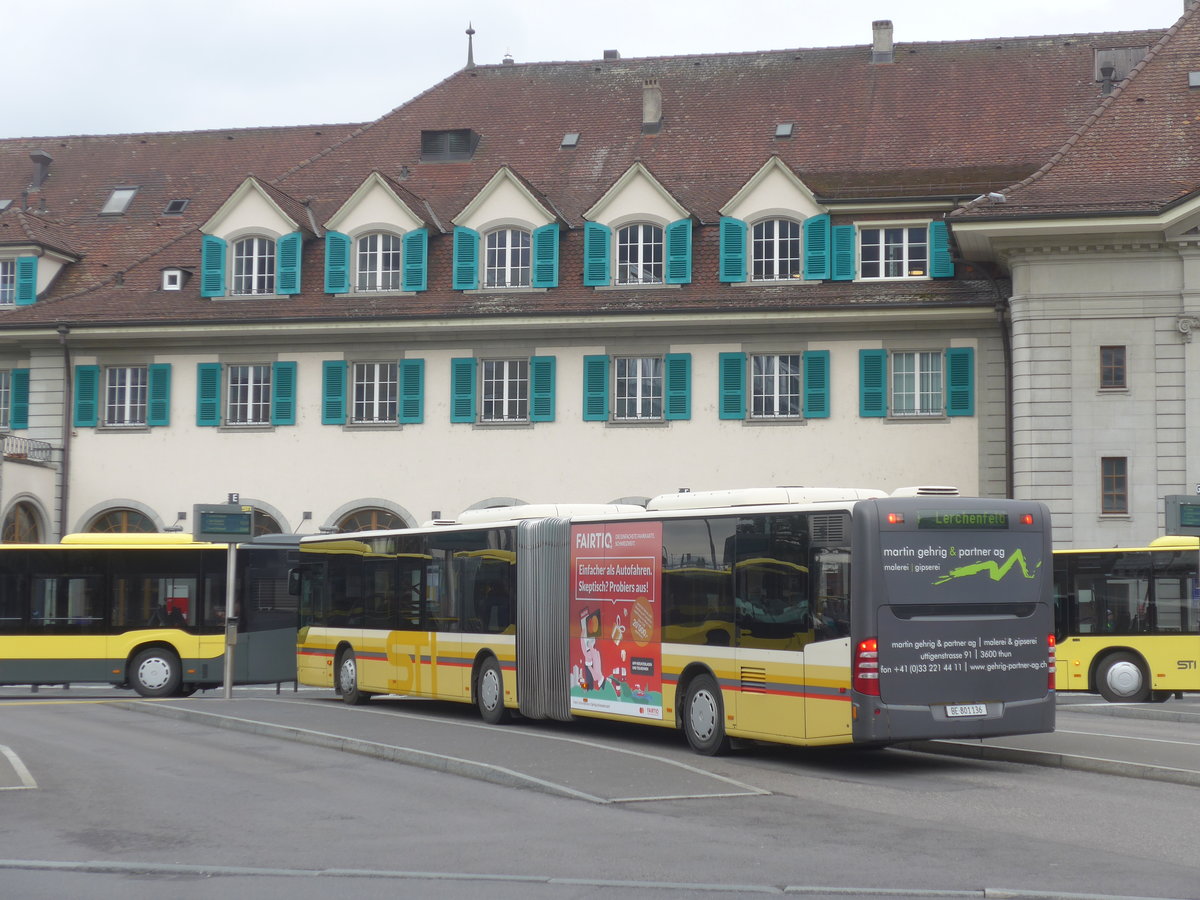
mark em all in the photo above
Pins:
pixel 991 568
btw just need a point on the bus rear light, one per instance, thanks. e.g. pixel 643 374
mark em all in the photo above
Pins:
pixel 866 667
pixel 895 518
pixel 1027 519
pixel 1051 660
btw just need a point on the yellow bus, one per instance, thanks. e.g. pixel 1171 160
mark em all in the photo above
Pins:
pixel 792 615
pixel 144 611
pixel 1127 620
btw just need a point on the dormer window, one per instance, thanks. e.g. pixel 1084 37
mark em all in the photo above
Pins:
pixel 448 146
pixel 379 262
pixel 118 201
pixel 8 282
pixel 508 257
pixel 172 279
pixel 777 250
pixel 640 254
pixel 254 266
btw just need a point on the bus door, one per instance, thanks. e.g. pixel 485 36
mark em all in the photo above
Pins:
pixel 773 622
pixel 409 641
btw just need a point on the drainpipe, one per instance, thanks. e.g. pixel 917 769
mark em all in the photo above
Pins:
pixel 64 471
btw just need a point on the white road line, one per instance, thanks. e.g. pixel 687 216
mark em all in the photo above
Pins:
pixel 1127 737
pixel 19 768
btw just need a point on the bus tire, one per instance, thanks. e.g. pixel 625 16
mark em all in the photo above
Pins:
pixel 704 717
pixel 1122 678
pixel 347 680
pixel 489 692
pixel 155 672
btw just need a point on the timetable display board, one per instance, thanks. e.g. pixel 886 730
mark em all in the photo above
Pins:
pixel 222 523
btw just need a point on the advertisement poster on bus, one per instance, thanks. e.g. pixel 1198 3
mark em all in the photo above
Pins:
pixel 616 659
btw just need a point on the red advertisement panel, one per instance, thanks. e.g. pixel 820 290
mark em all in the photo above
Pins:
pixel 616 659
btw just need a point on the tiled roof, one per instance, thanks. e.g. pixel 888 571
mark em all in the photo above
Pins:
pixel 1138 152
pixel 950 119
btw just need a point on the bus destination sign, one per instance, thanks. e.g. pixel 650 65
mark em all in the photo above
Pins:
pixel 936 519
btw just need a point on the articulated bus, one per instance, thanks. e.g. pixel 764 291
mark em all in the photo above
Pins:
pixel 1128 620
pixel 146 611
pixel 800 616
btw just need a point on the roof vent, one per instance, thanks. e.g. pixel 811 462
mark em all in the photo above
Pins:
pixel 881 44
pixel 41 168
pixel 612 54
pixel 652 111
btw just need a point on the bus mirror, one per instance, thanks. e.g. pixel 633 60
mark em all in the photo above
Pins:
pixel 294 582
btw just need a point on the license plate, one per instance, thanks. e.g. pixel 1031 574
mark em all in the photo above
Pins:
pixel 966 709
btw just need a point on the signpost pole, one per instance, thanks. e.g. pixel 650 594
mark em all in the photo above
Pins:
pixel 231 617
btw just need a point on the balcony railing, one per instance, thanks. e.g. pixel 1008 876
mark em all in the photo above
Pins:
pixel 26 448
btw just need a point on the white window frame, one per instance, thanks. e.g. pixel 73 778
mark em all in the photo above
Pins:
pixel 504 394
pixel 379 258
pixel 780 255
pixel 5 399
pixel 253 266
pixel 248 394
pixel 376 388
pixel 641 253
pixel 894 250
pixel 776 386
pixel 508 258
pixel 637 388
pixel 126 394
pixel 916 383
pixel 8 282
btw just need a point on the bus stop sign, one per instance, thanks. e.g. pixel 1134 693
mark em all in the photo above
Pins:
pixel 1183 514
pixel 222 523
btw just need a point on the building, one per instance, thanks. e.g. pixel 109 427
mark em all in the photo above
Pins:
pixel 593 281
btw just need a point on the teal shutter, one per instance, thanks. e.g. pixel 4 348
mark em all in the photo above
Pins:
pixel 545 256
pixel 466 259
pixel 18 400
pixel 596 238
pixel 678 240
pixel 416 259
pixel 816 384
pixel 731 374
pixel 817 265
pixel 412 391
pixel 677 382
pixel 87 396
pixel 287 263
pixel 212 267
pixel 27 267
pixel 158 390
pixel 337 263
pixel 845 252
pixel 940 264
pixel 595 389
pixel 462 389
pixel 541 389
pixel 283 393
pixel 960 381
pixel 208 394
pixel 733 249
pixel 872 383
pixel 333 392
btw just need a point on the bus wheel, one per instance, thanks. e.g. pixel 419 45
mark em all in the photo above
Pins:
pixel 347 680
pixel 1122 679
pixel 704 717
pixel 489 692
pixel 155 672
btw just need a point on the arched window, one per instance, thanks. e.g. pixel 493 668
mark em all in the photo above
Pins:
pixel 254 266
pixel 777 250
pixel 640 255
pixel 380 262
pixel 507 263
pixel 122 521
pixel 265 523
pixel 22 526
pixel 370 519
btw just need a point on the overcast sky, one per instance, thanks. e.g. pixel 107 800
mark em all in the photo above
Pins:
pixel 121 66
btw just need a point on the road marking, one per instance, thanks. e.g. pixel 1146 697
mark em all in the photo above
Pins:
pixel 1126 737
pixel 18 767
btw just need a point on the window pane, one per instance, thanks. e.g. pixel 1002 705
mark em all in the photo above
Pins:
pixel 1114 485
pixel 640 255
pixel 1112 367
pixel 639 388
pixel 125 395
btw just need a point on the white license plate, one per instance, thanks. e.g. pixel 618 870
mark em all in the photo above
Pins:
pixel 966 709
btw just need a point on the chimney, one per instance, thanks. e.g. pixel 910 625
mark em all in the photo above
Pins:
pixel 881 45
pixel 612 54
pixel 41 168
pixel 651 106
